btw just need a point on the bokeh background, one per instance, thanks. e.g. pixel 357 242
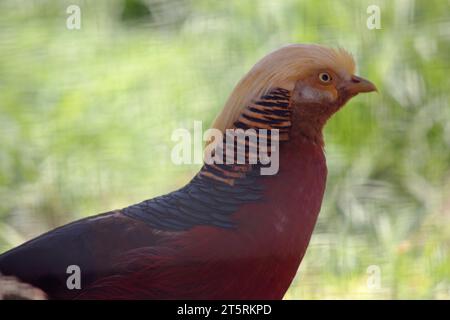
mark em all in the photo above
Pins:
pixel 86 118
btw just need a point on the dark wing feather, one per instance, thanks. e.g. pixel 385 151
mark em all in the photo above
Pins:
pixel 93 244
pixel 96 244
pixel 202 202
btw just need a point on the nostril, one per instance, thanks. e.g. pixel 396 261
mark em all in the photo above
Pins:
pixel 356 79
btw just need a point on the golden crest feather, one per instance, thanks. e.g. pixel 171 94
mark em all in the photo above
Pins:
pixel 281 68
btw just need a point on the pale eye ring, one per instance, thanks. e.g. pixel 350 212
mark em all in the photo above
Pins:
pixel 324 77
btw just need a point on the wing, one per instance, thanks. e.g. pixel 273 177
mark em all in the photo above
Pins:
pixel 203 201
pixel 93 244
pixel 98 245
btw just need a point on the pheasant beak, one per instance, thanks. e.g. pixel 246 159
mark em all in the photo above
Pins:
pixel 358 85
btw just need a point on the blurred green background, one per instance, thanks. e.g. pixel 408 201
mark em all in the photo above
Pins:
pixel 86 118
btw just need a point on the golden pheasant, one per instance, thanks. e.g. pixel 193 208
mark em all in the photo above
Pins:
pixel 231 232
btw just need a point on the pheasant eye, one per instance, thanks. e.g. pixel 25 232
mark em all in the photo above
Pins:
pixel 324 77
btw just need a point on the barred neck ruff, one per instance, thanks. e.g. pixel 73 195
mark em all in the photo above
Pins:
pixel 271 111
pixel 219 190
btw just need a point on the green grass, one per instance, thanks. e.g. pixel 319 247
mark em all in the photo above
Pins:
pixel 86 118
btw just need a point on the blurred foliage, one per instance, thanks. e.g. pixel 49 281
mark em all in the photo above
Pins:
pixel 86 118
pixel 135 10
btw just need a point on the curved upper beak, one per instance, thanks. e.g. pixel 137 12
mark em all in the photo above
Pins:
pixel 359 85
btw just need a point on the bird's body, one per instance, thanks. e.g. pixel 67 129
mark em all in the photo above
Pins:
pixel 231 233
